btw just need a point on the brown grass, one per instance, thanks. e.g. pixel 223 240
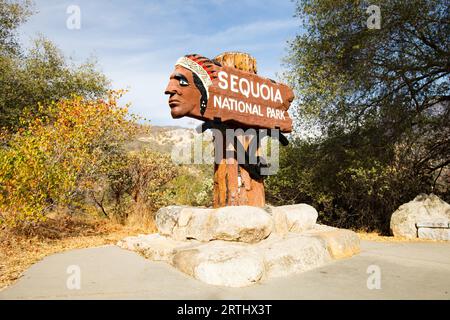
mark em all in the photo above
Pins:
pixel 373 236
pixel 19 250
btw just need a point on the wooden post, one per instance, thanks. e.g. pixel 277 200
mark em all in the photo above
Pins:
pixel 233 185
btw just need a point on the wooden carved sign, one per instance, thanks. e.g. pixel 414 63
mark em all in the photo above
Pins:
pixel 228 91
pixel 203 89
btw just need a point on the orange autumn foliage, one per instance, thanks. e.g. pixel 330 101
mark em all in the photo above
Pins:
pixel 56 156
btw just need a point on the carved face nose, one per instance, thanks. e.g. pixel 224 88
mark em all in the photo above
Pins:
pixel 172 88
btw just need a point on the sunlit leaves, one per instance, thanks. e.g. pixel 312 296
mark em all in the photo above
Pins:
pixel 47 162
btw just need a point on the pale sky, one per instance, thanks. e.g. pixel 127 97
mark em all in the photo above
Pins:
pixel 137 42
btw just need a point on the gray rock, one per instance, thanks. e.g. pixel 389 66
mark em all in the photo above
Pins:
pixel 240 246
pixel 238 264
pixel 292 254
pixel 234 264
pixel 221 263
pixel 340 243
pixel 154 246
pixel 193 223
pixel 423 207
pixel 244 224
pixel 166 218
pixel 130 243
pixel 280 222
pixel 299 217
pixel 434 233
pixel 433 223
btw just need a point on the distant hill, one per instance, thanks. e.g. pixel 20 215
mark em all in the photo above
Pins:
pixel 163 138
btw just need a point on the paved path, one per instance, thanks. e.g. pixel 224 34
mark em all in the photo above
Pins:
pixel 408 271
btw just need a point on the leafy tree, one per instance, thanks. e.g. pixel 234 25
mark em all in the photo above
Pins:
pixel 56 158
pixel 40 75
pixel 138 183
pixel 12 14
pixel 348 74
pixel 377 101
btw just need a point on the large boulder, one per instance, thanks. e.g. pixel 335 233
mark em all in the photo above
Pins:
pixel 235 264
pixel 424 207
pixel 241 246
pixel 298 217
pixel 442 234
pixel 243 224
pixel 154 246
pixel 220 263
pixel 341 243
pixel 292 254
pixel 238 264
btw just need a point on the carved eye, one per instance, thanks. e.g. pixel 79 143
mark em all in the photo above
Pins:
pixel 183 82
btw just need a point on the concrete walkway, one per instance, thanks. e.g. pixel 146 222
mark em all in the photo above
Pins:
pixel 408 271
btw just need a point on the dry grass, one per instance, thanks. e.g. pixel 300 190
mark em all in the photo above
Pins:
pixel 19 250
pixel 372 236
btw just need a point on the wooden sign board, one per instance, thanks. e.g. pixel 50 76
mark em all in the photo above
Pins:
pixel 203 89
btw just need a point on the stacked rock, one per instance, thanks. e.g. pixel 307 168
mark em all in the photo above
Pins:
pixel 240 246
pixel 425 217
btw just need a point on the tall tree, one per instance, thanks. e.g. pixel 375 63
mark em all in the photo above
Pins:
pixel 39 75
pixel 394 80
pixel 344 63
pixel 12 15
pixel 378 101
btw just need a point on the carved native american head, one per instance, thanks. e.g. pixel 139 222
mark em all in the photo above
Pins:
pixel 189 83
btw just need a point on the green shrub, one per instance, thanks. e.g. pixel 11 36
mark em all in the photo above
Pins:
pixel 350 187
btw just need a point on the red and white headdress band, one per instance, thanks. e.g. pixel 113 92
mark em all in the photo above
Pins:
pixel 198 69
